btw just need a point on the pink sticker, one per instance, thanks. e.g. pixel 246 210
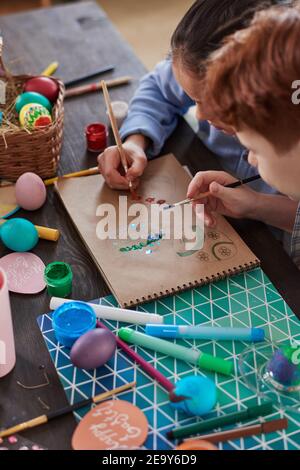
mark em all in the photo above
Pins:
pixel 12 439
pixel 25 272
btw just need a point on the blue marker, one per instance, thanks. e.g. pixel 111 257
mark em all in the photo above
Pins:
pixel 206 332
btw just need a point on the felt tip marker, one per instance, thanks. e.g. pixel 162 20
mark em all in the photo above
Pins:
pixel 206 332
pixel 194 356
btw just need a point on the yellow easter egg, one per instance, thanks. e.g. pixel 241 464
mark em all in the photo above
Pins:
pixel 34 116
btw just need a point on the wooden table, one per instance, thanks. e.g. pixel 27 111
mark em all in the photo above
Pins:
pixel 81 38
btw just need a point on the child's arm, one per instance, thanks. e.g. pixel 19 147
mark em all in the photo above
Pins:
pixel 152 117
pixel 155 107
pixel 242 202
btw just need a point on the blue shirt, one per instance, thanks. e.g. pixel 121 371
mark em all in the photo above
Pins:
pixel 154 112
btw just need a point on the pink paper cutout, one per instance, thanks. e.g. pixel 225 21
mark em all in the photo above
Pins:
pixel 25 272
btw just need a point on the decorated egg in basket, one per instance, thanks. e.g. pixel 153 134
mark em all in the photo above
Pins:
pixel 34 116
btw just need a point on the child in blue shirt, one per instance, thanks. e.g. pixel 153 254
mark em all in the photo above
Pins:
pixel 160 99
pixel 171 89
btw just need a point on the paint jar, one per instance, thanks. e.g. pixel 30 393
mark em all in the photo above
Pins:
pixel 72 320
pixel 120 111
pixel 96 137
pixel 58 277
pixel 7 343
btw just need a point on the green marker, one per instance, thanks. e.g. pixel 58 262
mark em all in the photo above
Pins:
pixel 200 359
pixel 232 418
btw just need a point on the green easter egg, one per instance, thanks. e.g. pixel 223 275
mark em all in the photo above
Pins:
pixel 32 97
pixel 19 235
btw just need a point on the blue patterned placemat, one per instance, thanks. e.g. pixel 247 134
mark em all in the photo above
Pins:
pixel 246 300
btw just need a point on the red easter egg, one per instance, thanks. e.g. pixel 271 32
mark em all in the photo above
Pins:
pixel 44 85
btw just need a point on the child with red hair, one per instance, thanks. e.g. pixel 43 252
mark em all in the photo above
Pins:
pixel 250 88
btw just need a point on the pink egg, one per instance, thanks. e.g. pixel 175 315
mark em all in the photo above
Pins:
pixel 30 191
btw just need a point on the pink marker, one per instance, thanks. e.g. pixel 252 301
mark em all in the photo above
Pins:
pixel 150 370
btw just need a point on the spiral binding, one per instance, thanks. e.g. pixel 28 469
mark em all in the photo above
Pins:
pixel 197 283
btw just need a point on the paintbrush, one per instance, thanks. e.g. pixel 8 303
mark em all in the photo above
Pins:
pixel 115 130
pixel 81 90
pixel 203 195
pixel 63 411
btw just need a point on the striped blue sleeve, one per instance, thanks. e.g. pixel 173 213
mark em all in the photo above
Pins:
pixel 155 107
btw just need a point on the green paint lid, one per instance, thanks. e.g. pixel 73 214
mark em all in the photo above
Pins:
pixel 212 363
pixel 58 277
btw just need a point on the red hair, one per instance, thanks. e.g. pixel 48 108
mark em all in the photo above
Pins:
pixel 248 81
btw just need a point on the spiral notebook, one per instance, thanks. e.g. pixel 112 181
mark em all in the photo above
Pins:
pixel 140 270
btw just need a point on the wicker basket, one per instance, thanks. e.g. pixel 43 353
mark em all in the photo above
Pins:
pixel 22 150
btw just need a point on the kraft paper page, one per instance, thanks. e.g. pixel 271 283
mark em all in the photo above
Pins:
pixel 160 266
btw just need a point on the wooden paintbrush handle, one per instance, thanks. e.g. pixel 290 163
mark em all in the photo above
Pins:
pixel 115 391
pixel 114 126
pixel 81 90
pixel 23 426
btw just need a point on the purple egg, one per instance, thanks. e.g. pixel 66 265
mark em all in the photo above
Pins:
pixel 281 368
pixel 93 349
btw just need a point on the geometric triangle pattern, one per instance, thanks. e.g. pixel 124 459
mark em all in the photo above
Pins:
pixel 245 300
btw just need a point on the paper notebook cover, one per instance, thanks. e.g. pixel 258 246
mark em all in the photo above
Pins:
pixel 164 266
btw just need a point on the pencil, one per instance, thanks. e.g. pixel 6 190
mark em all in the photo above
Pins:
pixel 50 69
pixel 90 171
pixel 63 411
pixel 245 431
pixel 115 130
pixel 203 195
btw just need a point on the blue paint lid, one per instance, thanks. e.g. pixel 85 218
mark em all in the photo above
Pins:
pixel 72 320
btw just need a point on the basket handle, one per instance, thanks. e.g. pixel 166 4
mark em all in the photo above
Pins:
pixel 3 70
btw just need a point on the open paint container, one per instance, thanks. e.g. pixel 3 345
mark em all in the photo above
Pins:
pixel 72 320
pixel 58 277
pixel 96 137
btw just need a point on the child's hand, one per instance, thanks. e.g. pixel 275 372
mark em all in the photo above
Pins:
pixel 238 202
pixel 111 168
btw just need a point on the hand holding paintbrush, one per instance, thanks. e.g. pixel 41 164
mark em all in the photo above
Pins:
pixel 215 190
pixel 115 130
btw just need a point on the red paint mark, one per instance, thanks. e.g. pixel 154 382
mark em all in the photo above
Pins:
pixel 135 196
pixel 149 200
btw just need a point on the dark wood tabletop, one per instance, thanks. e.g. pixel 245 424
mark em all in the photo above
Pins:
pixel 81 38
